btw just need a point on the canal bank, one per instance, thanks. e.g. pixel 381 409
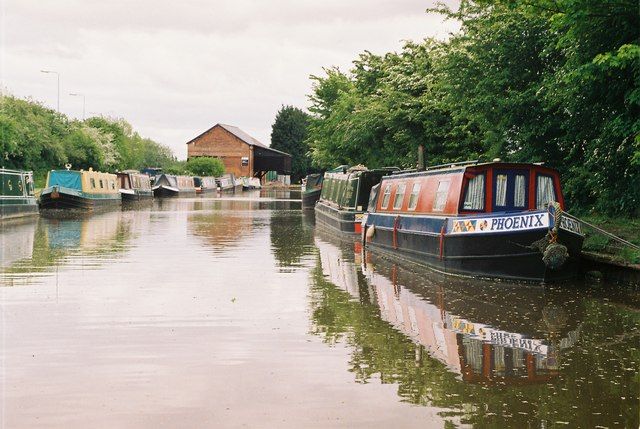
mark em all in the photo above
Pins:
pixel 238 311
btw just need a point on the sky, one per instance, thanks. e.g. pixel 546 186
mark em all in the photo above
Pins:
pixel 175 69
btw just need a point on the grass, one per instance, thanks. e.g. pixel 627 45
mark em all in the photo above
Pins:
pixel 628 229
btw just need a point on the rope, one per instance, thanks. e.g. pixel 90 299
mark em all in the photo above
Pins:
pixel 603 232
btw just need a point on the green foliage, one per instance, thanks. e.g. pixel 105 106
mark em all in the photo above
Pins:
pixel 176 167
pixel 524 81
pixel 33 137
pixel 288 134
pixel 205 166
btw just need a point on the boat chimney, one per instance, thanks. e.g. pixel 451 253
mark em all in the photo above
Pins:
pixel 420 166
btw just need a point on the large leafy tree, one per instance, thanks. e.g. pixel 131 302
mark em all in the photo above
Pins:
pixel 554 81
pixel 288 134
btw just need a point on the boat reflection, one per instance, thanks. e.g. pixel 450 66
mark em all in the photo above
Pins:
pixel 49 242
pixel 444 341
pixel 16 241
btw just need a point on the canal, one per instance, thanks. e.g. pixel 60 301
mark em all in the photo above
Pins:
pixel 239 312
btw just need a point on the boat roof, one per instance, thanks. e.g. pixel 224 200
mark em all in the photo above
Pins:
pixel 455 167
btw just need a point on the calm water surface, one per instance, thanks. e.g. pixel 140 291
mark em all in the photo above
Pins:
pixel 238 312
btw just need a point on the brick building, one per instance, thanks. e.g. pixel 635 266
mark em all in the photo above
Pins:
pixel 242 154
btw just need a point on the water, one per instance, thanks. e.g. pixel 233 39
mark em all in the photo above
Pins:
pixel 238 312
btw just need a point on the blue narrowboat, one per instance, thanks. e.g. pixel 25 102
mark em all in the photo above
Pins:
pixel 17 197
pixel 494 220
pixel 84 190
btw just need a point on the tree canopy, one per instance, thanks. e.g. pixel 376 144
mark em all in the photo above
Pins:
pixel 205 166
pixel 289 134
pixel 33 137
pixel 543 81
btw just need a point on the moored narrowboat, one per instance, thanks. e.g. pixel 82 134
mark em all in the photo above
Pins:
pixel 312 188
pixel 134 186
pixel 345 196
pixel 83 190
pixel 205 185
pixel 17 197
pixel 250 183
pixel 495 220
pixel 227 183
pixel 169 186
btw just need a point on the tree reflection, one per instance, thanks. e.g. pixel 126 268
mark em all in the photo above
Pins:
pixel 579 369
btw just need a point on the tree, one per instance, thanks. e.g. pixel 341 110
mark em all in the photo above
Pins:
pixel 288 134
pixel 205 166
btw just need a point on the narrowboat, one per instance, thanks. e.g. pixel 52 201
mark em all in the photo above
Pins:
pixel 17 197
pixel 134 186
pixel 168 186
pixel 311 190
pixel 494 220
pixel 83 190
pixel 250 183
pixel 345 196
pixel 228 183
pixel 204 185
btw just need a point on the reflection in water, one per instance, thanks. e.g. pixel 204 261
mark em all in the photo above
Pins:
pixel 16 241
pixel 491 354
pixel 291 237
pixel 87 241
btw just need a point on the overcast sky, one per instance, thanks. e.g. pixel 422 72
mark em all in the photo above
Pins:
pixel 174 69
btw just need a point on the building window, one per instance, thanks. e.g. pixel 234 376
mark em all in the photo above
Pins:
pixel 545 193
pixel 441 195
pixel 519 196
pixel 501 190
pixel 386 196
pixel 413 198
pixel 399 198
pixel 245 161
pixel 474 198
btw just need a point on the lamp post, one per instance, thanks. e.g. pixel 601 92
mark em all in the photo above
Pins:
pixel 58 75
pixel 83 101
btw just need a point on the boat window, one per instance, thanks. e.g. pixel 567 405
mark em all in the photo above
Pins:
pixel 545 193
pixel 113 185
pixel 93 183
pixel 413 198
pixel 441 195
pixel 386 196
pixel 399 197
pixel 501 190
pixel 474 197
pixel 519 197
pixel 101 184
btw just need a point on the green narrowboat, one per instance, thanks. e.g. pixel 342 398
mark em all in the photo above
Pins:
pixel 17 197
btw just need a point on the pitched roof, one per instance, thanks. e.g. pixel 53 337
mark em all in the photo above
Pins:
pixel 241 135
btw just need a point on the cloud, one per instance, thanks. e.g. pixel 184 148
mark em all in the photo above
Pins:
pixel 174 69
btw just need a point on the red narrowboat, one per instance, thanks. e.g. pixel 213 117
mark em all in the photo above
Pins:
pixel 494 220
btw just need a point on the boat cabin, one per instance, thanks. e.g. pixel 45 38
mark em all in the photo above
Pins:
pixel 134 180
pixel 351 190
pixel 469 188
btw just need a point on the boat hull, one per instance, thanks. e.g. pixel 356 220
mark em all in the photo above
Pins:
pixel 345 221
pixel 164 192
pixel 14 210
pixel 63 199
pixel 136 196
pixel 310 198
pixel 506 255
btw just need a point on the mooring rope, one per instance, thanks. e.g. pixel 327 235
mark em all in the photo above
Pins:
pixel 603 232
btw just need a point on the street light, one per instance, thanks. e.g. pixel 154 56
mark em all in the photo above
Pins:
pixel 57 74
pixel 83 101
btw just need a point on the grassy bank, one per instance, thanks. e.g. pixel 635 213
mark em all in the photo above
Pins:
pixel 628 229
